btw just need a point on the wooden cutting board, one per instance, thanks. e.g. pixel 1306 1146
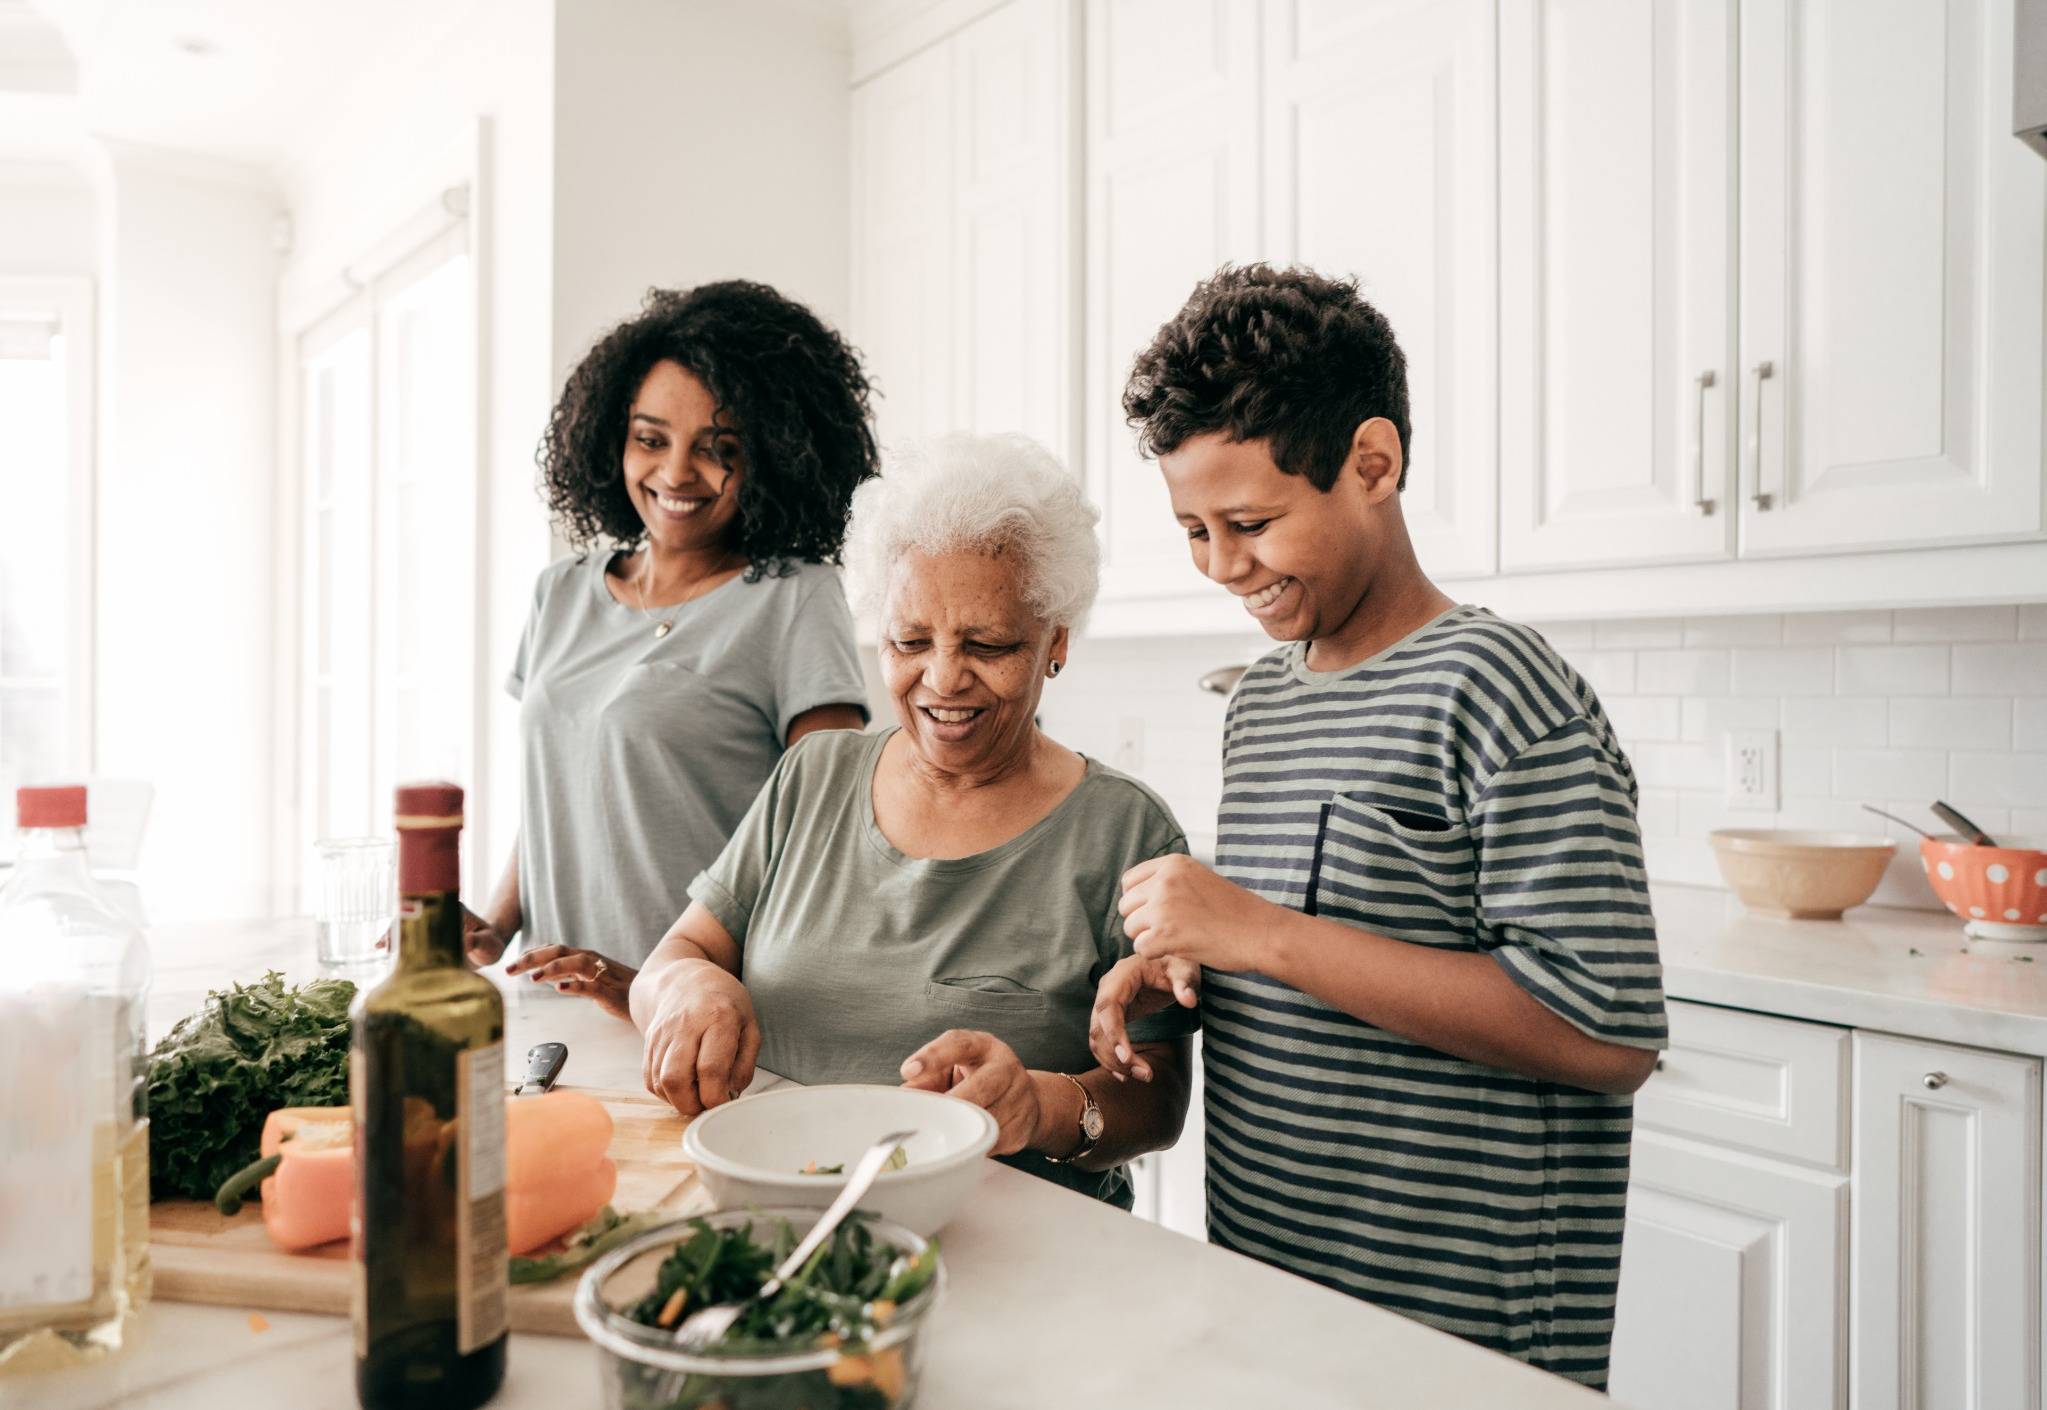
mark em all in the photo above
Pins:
pixel 201 1255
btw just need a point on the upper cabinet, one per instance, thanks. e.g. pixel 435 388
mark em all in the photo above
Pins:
pixel 1172 192
pixel 965 236
pixel 1894 235
pixel 1380 164
pixel 1707 304
pixel 1617 245
pixel 1772 294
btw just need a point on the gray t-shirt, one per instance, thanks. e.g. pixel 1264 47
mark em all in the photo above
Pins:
pixel 857 955
pixel 639 755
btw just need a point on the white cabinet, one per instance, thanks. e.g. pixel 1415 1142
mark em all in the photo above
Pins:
pixel 1380 164
pixel 1731 1296
pixel 1734 1275
pixel 964 235
pixel 1872 379
pixel 1947 1227
pixel 1617 244
pixel 1894 236
pixel 1172 193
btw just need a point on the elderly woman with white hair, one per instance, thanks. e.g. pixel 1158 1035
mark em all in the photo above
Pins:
pixel 934 903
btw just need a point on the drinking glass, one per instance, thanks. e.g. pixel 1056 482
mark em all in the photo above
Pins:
pixel 358 898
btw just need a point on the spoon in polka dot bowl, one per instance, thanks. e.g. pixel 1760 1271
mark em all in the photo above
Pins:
pixel 2000 892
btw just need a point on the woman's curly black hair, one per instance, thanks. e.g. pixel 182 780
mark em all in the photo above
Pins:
pixel 1283 355
pixel 790 388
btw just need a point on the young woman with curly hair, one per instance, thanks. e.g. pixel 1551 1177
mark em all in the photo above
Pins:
pixel 703 459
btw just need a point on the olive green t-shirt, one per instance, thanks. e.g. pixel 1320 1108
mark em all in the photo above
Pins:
pixel 857 955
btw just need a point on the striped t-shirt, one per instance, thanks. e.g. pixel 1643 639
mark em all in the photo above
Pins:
pixel 1460 789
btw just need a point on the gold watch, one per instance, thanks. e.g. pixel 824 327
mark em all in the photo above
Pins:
pixel 1091 1124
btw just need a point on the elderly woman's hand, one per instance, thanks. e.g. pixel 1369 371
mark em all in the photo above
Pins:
pixel 584 972
pixel 1134 987
pixel 980 1068
pixel 702 1040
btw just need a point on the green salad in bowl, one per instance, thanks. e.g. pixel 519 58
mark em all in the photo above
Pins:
pixel 842 1334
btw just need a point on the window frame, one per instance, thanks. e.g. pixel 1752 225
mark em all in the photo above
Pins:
pixel 70 298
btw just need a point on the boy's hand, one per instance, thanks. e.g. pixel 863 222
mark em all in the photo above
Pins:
pixel 1176 906
pixel 1133 988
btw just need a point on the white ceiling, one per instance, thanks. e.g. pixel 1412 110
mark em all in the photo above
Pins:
pixel 251 81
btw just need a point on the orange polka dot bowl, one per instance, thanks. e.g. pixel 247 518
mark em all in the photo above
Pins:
pixel 2001 892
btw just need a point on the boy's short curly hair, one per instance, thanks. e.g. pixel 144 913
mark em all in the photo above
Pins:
pixel 790 387
pixel 1286 356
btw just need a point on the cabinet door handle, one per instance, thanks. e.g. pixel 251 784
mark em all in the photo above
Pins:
pixel 1700 501
pixel 1934 1081
pixel 1764 371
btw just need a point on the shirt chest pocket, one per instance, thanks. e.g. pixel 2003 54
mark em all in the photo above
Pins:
pixel 1394 867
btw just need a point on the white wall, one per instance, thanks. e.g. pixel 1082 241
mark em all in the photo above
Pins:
pixel 1891 708
pixel 185 473
pixel 698 140
pixel 48 220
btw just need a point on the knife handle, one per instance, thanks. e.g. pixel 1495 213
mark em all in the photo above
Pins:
pixel 543 1064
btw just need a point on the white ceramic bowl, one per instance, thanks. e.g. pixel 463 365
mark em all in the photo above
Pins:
pixel 1799 874
pixel 750 1152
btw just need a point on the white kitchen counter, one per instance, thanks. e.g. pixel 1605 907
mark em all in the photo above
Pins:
pixel 1908 972
pixel 1053 1299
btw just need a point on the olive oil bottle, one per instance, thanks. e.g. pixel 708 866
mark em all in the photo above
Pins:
pixel 427 1079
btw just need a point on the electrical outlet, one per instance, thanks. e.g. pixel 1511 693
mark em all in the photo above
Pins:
pixel 1129 755
pixel 1752 769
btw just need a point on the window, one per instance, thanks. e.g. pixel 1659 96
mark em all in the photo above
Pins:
pixel 388 494
pixel 45 532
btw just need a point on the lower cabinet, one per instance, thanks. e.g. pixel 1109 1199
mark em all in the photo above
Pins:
pixel 1769 1265
pixel 1947 1227
pixel 1732 1294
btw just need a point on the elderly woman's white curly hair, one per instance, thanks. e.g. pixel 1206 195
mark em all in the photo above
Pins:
pixel 980 493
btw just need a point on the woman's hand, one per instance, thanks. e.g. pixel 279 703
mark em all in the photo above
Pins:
pixel 1176 906
pixel 982 1069
pixel 480 939
pixel 585 972
pixel 1134 988
pixel 702 1040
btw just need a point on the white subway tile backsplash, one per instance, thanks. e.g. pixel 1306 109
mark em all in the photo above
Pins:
pixel 1646 717
pixel 1966 722
pixel 2019 668
pixel 2029 723
pixel 1706 718
pixel 1805 770
pixel 1891 670
pixel 1682 672
pixel 1784 670
pixel 1639 631
pixel 1951 624
pixel 1889 773
pixel 1837 721
pixel 2013 780
pixel 1836 628
pixel 1567 636
pixel 1607 672
pixel 2028 825
pixel 1892 708
pixel 1656 814
pixel 1694 766
pixel 1759 630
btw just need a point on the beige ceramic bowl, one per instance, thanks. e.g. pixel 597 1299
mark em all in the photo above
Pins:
pixel 1803 875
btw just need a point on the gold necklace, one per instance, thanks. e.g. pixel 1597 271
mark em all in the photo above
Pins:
pixel 697 589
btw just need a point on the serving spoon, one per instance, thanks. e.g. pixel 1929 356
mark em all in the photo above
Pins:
pixel 703 1327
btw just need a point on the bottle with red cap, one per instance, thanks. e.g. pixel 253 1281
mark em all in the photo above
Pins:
pixel 74 1132
pixel 427 1078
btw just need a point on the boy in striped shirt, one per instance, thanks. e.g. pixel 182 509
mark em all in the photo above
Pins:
pixel 1425 958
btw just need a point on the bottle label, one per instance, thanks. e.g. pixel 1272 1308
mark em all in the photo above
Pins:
pixel 481 1265
pixel 359 1280
pixel 56 1054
